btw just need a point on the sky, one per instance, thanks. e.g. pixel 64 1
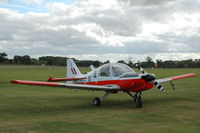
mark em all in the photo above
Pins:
pixel 101 29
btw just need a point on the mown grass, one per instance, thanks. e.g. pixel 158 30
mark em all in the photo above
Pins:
pixel 31 109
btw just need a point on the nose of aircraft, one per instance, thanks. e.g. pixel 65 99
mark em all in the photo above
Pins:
pixel 148 77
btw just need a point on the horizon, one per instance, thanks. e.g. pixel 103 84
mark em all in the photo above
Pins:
pixel 126 60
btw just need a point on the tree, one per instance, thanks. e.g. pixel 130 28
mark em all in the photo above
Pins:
pixel 106 62
pixel 87 63
pixel 97 63
pixel 51 60
pixel 159 63
pixel 34 61
pixel 169 64
pixel 17 59
pixel 3 58
pixel 122 61
pixel 26 60
pixel 150 62
pixel 130 64
pixel 61 61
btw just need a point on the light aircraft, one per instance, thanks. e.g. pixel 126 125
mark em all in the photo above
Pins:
pixel 111 78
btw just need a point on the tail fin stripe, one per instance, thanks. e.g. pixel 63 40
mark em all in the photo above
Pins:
pixel 72 71
pixel 75 71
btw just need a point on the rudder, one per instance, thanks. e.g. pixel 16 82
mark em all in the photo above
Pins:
pixel 72 69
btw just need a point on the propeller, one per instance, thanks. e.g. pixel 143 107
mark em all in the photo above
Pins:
pixel 159 86
pixel 150 77
pixel 140 68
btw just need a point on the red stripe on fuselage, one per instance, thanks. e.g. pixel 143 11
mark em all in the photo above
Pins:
pixel 125 84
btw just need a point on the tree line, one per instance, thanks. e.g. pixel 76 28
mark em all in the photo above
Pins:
pixel 61 61
pixel 45 60
pixel 149 63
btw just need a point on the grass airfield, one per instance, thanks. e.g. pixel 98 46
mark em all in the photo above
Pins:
pixel 35 109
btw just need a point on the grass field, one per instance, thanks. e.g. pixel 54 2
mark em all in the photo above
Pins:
pixel 31 109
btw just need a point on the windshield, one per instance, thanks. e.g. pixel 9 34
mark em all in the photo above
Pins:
pixel 119 69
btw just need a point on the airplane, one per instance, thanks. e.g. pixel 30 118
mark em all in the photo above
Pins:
pixel 111 78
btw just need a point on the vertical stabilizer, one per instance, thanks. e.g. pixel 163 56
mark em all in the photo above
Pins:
pixel 72 69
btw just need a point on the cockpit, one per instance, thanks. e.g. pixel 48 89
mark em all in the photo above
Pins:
pixel 115 70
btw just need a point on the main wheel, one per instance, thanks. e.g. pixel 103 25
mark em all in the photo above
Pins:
pixel 138 101
pixel 97 101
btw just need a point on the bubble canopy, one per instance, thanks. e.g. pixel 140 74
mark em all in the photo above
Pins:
pixel 114 70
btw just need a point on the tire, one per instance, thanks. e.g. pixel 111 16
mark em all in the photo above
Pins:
pixel 138 101
pixel 97 101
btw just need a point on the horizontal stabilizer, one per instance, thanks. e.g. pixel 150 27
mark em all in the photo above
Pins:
pixel 72 86
pixel 51 79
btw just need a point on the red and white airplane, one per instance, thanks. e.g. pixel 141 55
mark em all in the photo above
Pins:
pixel 111 78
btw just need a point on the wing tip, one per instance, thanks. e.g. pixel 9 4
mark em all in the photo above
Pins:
pixel 193 74
pixel 14 81
pixel 184 76
pixel 50 79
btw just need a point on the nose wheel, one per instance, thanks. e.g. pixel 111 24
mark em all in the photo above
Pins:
pixel 137 98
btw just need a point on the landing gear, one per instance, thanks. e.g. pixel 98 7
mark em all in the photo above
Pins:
pixel 173 87
pixel 137 98
pixel 97 101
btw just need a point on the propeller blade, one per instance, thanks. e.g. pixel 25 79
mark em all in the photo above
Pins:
pixel 140 68
pixel 159 86
pixel 150 77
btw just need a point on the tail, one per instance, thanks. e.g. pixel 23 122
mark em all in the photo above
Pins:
pixel 72 69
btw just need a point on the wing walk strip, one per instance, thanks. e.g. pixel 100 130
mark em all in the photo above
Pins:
pixel 66 85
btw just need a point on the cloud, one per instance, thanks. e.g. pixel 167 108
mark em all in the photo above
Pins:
pixel 144 2
pixel 4 1
pixel 23 1
pixel 31 1
pixel 94 28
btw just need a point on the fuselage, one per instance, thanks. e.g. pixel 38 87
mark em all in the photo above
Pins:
pixel 116 74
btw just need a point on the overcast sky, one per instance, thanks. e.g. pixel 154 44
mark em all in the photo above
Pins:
pixel 101 29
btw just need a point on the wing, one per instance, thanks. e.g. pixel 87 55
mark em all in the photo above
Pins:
pixel 66 85
pixel 176 77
